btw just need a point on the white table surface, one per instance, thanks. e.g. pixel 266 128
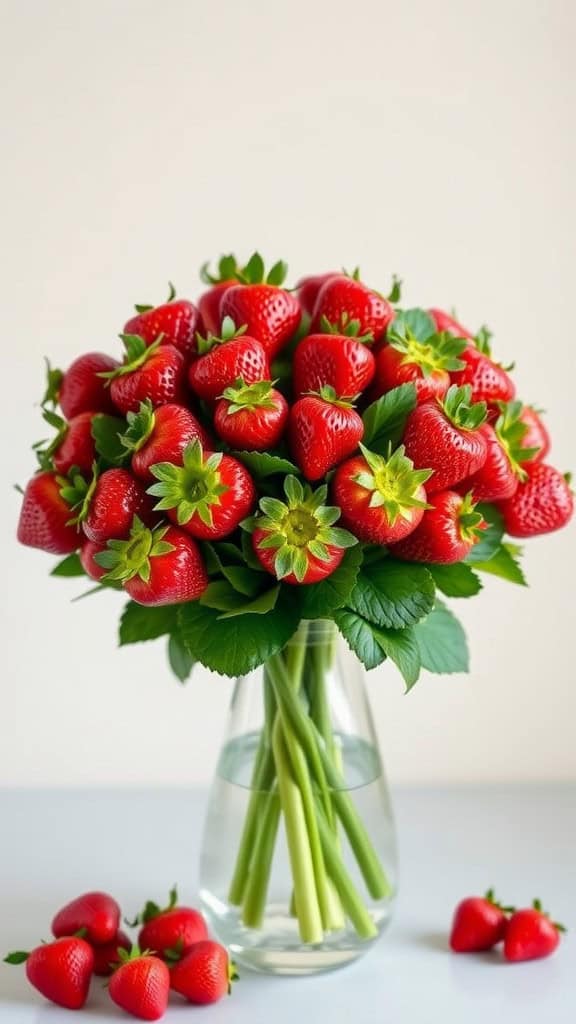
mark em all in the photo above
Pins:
pixel 453 842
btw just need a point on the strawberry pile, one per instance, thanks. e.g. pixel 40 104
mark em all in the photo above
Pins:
pixel 245 448
pixel 480 923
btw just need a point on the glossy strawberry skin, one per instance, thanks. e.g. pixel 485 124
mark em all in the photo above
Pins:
pixel 177 321
pixel 343 363
pixel 369 524
pixel 61 971
pixel 536 435
pixel 209 306
pixel 174 428
pixel 444 322
pixel 179 928
pixel 438 538
pixel 496 480
pixel 77 447
pixel 97 912
pixel 141 987
pixel 161 380
pixel 530 935
pixel 203 975
pixel 433 442
pixel 254 430
pixel 317 569
pixel 176 577
pixel 87 552
pixel 44 516
pixel 106 957
pixel 489 382
pixel 271 314
pixel 82 390
pixel 344 299
pixel 234 505
pixel 308 287
pixel 541 504
pixel 478 925
pixel 391 371
pixel 241 357
pixel 118 497
pixel 322 434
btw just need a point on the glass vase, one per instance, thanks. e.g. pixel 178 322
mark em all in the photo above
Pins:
pixel 298 863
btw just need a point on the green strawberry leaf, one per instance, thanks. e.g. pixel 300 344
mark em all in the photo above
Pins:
pixel 442 642
pixel 361 637
pixel 456 580
pixel 489 542
pixel 245 580
pixel 221 596
pixel 263 464
pixel 236 646
pixel 402 648
pixel 393 594
pixel 385 419
pixel 107 432
pixel 415 323
pixel 139 623
pixel 179 658
pixel 504 563
pixel 260 605
pixel 320 600
pixel 69 566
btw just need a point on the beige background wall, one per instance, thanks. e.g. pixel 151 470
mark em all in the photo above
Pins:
pixel 140 138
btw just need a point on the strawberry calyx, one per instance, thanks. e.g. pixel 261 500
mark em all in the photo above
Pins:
pixel 510 431
pixel 137 354
pixel 490 898
pixel 483 341
pixel 191 488
pixel 298 528
pixel 395 293
pixel 347 327
pixel 125 956
pixel 125 559
pixel 54 380
pixel 393 481
pixel 244 396
pixel 329 394
pixel 228 332
pixel 255 272
pixel 143 307
pixel 45 449
pixel 470 522
pixel 152 910
pixel 140 427
pixel 537 905
pixel 77 492
pixel 232 974
pixel 228 270
pixel 413 333
pixel 458 407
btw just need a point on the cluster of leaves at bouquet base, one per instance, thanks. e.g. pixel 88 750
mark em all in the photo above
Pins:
pixel 266 455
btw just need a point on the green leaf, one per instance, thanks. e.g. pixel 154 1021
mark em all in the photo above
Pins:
pixel 69 566
pixel 139 623
pixel 456 580
pixel 180 660
pixel 385 419
pixel 393 594
pixel 489 542
pixel 442 642
pixel 261 605
pixel 221 596
pixel 504 563
pixel 412 322
pixel 235 646
pixel 319 600
pixel 107 431
pixel 402 648
pixel 263 464
pixel 245 580
pixel 360 635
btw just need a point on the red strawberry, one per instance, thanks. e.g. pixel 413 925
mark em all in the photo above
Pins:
pixel 87 552
pixel 160 435
pixel 542 503
pixel 268 312
pixel 82 389
pixel 447 533
pixel 170 930
pixel 209 303
pixel 175 322
pixel 113 500
pixel 156 567
pixel 61 971
pixel 204 975
pixel 417 354
pixel 444 322
pixel 479 923
pixel 344 300
pixel 141 985
pixel 95 912
pixel 531 935
pixel 45 517
pixel 296 540
pixel 308 287
pixel 251 417
pixel 156 373
pixel 445 437
pixel 343 363
pixel 323 429
pixel 106 957
pixel 224 360
pixel 382 500
pixel 207 495
pixel 74 447
pixel 536 436
pixel 498 478
pixel 488 380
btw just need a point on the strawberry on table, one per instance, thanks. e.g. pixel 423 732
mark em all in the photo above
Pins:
pixel 531 935
pixel 343 362
pixel 82 388
pixel 445 436
pixel 45 519
pixel 489 381
pixel 175 322
pixel 209 303
pixel 446 323
pixel 536 438
pixel 447 532
pixel 172 929
pixel 107 957
pixel 154 373
pixel 140 985
pixel 251 417
pixel 95 913
pixel 61 971
pixel 542 503
pixel 111 502
pixel 160 435
pixel 479 923
pixel 323 430
pixel 208 495
pixel 417 354
pixel 342 300
pixel 204 975
pixel 269 312
pixel 223 360
pixel 296 541
pixel 382 500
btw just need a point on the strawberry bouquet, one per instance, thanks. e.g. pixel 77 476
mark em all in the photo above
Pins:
pixel 267 458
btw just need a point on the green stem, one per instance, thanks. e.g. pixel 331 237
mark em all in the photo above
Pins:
pixel 257 884
pixel 347 892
